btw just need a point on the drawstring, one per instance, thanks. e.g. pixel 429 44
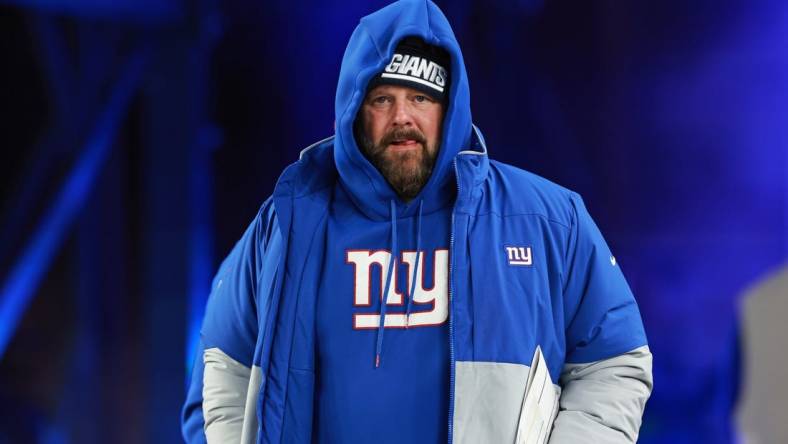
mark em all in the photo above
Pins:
pixel 390 273
pixel 383 304
pixel 412 294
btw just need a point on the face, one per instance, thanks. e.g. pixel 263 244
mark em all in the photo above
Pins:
pixel 400 130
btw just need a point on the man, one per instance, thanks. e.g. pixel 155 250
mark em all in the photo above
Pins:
pixel 482 266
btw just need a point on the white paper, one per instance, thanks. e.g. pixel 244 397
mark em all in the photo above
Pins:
pixel 540 404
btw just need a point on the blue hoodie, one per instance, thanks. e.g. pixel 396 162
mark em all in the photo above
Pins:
pixel 526 268
pixel 368 52
pixel 402 387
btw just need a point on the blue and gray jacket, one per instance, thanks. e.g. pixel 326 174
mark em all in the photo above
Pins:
pixel 528 269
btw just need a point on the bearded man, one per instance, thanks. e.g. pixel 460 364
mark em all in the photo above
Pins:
pixel 401 287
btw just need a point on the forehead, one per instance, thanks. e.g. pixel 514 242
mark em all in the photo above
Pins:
pixel 393 90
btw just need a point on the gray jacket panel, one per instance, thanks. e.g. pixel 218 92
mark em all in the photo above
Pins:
pixel 603 401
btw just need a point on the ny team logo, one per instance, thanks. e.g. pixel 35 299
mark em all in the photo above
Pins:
pixel 430 305
pixel 519 256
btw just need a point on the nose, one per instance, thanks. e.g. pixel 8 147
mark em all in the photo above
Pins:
pixel 402 114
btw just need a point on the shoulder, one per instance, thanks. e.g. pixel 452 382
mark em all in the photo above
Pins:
pixel 510 191
pixel 266 224
pixel 313 172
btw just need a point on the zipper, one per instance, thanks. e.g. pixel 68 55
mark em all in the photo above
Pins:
pixel 451 306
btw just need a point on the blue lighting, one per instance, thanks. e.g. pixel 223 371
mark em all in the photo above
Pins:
pixel 25 276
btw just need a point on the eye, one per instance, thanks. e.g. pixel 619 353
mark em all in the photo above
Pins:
pixel 380 100
pixel 420 99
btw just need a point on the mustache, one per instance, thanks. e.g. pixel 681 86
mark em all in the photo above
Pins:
pixel 403 133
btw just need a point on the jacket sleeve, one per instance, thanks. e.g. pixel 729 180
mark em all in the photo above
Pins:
pixel 217 394
pixel 607 377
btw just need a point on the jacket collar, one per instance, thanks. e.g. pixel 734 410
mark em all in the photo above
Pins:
pixel 315 170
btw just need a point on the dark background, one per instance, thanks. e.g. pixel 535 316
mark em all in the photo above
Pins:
pixel 139 138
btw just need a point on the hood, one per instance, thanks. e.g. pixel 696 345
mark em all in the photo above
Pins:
pixel 369 50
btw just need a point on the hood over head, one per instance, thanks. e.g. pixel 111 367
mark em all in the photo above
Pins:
pixel 369 50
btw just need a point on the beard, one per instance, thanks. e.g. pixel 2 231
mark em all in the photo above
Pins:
pixel 407 172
